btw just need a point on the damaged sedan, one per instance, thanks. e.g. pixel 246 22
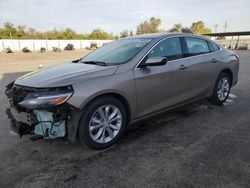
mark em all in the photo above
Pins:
pixel 94 98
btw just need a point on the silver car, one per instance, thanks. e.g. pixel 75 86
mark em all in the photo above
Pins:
pixel 96 97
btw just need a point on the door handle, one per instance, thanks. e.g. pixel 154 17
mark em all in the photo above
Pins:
pixel 214 60
pixel 183 67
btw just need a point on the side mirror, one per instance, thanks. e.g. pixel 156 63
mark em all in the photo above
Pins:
pixel 154 61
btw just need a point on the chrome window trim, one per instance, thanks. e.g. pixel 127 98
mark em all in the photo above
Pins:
pixel 179 36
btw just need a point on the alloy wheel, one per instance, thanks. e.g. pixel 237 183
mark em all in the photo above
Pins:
pixel 105 124
pixel 223 88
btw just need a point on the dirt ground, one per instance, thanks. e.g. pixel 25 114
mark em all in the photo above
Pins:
pixel 199 145
pixel 30 61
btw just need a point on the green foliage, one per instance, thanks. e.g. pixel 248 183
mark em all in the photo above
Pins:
pixel 186 30
pixel 100 34
pixel 9 31
pixel 124 33
pixel 177 28
pixel 151 26
pixel 207 30
pixel 198 28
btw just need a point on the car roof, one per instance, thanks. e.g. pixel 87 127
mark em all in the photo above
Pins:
pixel 159 35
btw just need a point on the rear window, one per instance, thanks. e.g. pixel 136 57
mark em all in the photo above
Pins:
pixel 196 46
pixel 213 47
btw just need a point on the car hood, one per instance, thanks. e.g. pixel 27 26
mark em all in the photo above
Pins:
pixel 64 74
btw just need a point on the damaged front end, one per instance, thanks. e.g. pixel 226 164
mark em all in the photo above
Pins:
pixel 42 112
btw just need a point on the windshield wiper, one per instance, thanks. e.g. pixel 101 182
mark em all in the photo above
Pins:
pixel 95 63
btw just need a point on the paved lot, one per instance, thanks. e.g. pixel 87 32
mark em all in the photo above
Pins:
pixel 197 146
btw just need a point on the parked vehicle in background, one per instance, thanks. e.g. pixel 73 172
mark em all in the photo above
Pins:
pixel 69 47
pixel 96 97
pixel 56 49
pixel 42 49
pixel 8 50
pixel 26 50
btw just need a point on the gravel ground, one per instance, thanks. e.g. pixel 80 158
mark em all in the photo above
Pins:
pixel 198 145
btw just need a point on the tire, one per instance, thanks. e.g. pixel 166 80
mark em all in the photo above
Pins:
pixel 220 95
pixel 94 126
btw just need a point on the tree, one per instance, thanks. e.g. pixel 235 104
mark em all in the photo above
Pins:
pixel 8 31
pixel 186 30
pixel 100 34
pixel 151 26
pixel 21 31
pixel 176 28
pixel 69 33
pixel 207 30
pixel 199 28
pixel 124 33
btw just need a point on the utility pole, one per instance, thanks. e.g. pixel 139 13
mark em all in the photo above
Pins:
pixel 225 27
pixel 215 28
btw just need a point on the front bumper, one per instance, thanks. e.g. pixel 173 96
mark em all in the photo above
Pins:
pixel 24 123
pixel 37 122
pixel 49 123
pixel 19 122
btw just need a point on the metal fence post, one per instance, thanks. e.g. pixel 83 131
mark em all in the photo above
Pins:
pixel 19 45
pixel 3 45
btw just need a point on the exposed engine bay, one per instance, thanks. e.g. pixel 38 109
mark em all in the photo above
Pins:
pixel 43 112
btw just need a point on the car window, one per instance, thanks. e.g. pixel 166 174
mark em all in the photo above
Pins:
pixel 213 47
pixel 170 48
pixel 196 46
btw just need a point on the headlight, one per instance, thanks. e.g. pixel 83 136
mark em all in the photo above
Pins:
pixel 34 101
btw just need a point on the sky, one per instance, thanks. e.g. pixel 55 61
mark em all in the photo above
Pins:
pixel 114 16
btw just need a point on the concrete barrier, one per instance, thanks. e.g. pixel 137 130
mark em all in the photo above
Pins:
pixel 35 45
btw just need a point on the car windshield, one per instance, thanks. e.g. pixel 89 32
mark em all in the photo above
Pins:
pixel 116 52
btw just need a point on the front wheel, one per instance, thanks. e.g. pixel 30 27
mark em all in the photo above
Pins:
pixel 102 123
pixel 221 89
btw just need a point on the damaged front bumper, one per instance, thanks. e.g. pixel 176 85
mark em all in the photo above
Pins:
pixel 59 121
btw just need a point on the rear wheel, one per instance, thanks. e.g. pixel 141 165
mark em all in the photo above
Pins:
pixel 102 123
pixel 221 89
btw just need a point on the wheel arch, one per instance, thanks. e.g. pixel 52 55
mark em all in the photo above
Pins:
pixel 229 72
pixel 116 95
pixel 111 94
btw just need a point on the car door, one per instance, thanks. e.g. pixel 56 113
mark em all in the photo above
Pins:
pixel 202 65
pixel 158 87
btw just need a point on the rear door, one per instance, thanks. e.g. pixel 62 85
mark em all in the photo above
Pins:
pixel 202 65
